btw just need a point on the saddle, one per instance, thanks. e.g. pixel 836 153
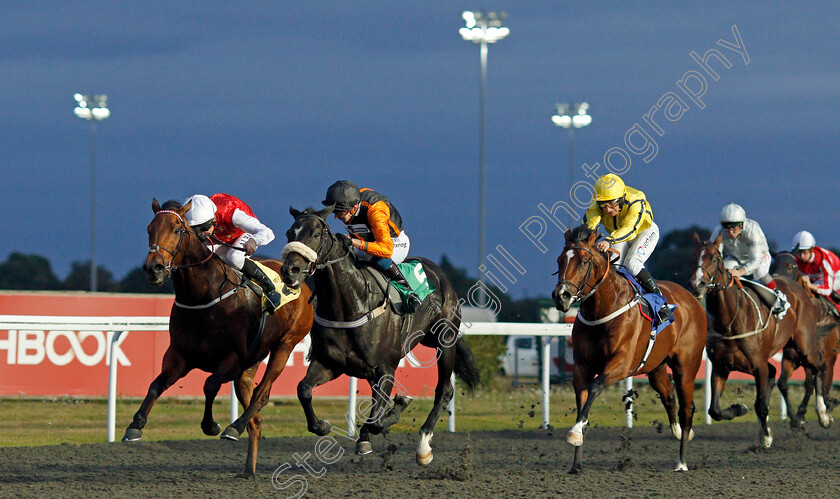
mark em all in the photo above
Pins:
pixel 288 294
pixel 395 293
pixel 828 307
pixel 649 303
pixel 767 295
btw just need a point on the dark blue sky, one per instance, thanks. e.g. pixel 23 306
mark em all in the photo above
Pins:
pixel 273 102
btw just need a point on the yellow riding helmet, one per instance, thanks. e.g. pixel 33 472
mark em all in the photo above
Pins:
pixel 609 187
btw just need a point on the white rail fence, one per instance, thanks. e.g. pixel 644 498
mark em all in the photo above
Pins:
pixel 121 325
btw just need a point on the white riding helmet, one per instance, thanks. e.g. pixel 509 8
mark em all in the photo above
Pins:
pixel 203 209
pixel 732 213
pixel 803 240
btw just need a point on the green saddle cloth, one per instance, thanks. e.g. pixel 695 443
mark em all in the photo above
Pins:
pixel 416 277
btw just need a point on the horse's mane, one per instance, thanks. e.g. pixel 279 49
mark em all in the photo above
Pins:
pixel 309 211
pixel 580 233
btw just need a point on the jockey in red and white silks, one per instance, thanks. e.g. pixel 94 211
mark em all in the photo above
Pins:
pixel 235 224
pixel 820 265
pixel 231 221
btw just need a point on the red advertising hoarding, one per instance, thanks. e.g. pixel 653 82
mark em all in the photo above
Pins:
pixel 75 363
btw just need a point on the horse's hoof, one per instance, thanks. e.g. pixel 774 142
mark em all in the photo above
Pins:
pixel 576 469
pixel 402 400
pixel 767 440
pixel 575 435
pixel 321 428
pixel 741 409
pixel 797 422
pixel 132 435
pixel 425 459
pixel 246 475
pixel 212 429
pixel 681 466
pixel 363 448
pixel 575 439
pixel 230 433
pixel 826 421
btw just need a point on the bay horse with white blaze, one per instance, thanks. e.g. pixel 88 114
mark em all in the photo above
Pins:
pixel 357 333
pixel 746 334
pixel 611 337
pixel 216 325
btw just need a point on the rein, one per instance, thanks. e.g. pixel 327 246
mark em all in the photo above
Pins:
pixel 579 296
pixel 762 324
pixel 313 266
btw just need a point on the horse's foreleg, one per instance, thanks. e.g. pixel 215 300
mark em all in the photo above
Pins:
pixel 592 389
pixel 789 364
pixel 828 376
pixel 224 373
pixel 316 375
pixel 174 368
pixel 822 410
pixel 276 363
pixel 718 384
pixel 661 383
pixel 762 408
pixel 380 390
pixel 685 396
pixel 443 394
pixel 244 389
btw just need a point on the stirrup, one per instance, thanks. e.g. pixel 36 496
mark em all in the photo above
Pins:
pixel 274 300
pixel 412 302
pixel 665 314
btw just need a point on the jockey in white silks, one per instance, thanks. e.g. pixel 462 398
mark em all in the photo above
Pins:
pixel 746 251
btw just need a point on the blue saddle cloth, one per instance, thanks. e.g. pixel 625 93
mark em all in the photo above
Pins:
pixel 652 302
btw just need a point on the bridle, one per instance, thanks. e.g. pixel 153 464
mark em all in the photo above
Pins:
pixel 326 233
pixel 590 265
pixel 719 270
pixel 170 267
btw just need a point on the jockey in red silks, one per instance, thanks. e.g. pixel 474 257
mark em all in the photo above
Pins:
pixel 822 267
pixel 228 219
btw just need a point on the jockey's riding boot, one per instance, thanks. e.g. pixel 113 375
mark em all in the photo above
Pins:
pixel 411 300
pixel 252 271
pixel 835 297
pixel 650 286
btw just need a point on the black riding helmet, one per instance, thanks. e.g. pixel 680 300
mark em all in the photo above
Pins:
pixel 343 194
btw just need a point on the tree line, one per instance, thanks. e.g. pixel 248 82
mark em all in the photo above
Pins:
pixel 671 260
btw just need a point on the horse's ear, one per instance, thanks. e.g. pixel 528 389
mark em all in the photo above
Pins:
pixel 697 239
pixel 593 238
pixel 155 205
pixel 568 235
pixel 323 214
pixel 295 213
pixel 719 239
pixel 186 207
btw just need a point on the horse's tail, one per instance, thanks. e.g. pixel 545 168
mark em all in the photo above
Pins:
pixel 465 365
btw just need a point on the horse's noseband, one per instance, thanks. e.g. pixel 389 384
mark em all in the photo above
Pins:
pixel 313 266
pixel 590 265
pixel 719 270
pixel 170 267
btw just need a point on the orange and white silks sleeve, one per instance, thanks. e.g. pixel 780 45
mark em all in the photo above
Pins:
pixel 379 218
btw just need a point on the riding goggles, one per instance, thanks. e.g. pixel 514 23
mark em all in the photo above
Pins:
pixel 731 225
pixel 611 202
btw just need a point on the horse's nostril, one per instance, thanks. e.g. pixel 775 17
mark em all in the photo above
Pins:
pixel 157 268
